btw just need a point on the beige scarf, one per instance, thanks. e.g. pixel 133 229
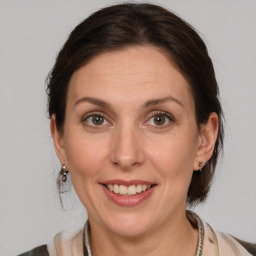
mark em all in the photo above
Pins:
pixel 215 243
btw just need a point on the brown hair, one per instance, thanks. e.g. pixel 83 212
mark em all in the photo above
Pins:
pixel 123 25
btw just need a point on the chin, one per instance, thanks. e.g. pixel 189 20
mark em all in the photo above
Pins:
pixel 130 225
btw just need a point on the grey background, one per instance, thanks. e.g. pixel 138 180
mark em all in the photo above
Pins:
pixel 32 32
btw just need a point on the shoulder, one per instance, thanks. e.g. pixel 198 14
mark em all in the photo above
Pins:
pixel 250 247
pixel 68 243
pixel 38 251
pixel 245 248
pixel 63 244
pixel 227 244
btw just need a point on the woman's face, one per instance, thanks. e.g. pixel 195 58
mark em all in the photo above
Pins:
pixel 130 126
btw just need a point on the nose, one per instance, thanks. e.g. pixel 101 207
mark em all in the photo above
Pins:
pixel 127 149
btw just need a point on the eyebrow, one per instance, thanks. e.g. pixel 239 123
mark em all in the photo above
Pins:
pixel 93 101
pixel 154 102
pixel 147 104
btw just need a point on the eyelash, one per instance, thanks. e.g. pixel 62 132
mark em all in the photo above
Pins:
pixel 163 114
pixel 93 114
pixel 153 115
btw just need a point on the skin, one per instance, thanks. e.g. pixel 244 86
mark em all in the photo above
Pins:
pixel 131 145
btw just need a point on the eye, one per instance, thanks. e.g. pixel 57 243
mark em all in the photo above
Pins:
pixel 160 119
pixel 95 119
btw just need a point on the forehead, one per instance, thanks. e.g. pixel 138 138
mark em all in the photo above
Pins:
pixel 136 72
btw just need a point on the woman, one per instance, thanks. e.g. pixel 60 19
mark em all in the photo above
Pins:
pixel 137 125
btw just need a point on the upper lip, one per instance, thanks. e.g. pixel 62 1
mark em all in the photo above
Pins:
pixel 127 182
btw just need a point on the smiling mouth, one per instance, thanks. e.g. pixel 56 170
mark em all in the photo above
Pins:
pixel 128 190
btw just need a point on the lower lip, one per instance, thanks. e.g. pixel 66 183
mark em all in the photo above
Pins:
pixel 128 200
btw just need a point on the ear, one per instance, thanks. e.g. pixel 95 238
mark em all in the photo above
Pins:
pixel 207 137
pixel 57 137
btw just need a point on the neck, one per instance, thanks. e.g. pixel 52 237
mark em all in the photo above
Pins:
pixel 178 237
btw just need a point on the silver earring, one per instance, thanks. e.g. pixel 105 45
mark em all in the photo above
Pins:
pixel 63 173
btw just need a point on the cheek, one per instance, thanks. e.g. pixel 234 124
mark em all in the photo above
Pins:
pixel 174 155
pixel 85 156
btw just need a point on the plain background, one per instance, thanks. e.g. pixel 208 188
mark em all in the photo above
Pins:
pixel 31 34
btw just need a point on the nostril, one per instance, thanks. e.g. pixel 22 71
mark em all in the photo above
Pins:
pixel 126 162
pixel 126 151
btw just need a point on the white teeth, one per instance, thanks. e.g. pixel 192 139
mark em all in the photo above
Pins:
pixel 123 190
pixel 116 189
pixel 144 187
pixel 132 190
pixel 128 190
pixel 139 188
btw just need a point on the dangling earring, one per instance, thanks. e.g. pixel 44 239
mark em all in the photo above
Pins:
pixel 63 173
